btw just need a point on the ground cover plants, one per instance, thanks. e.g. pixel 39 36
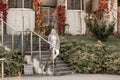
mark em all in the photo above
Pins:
pixel 85 55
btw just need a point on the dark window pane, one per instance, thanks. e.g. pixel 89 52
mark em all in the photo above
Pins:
pixel 83 7
pixel 12 3
pixel 28 3
pixel 18 3
pixel 69 4
pixel 75 4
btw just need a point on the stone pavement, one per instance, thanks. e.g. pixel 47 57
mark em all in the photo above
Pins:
pixel 69 77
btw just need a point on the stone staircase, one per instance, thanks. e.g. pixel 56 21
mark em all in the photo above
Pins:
pixel 61 67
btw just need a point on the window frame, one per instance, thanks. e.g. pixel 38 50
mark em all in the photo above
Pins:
pixel 83 5
pixel 15 4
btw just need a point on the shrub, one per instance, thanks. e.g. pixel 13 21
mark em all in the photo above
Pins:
pixel 13 63
pixel 89 57
pixel 100 28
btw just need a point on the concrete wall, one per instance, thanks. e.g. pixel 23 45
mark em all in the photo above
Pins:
pixel 20 19
pixel 75 19
pixel 95 5
pixel 113 13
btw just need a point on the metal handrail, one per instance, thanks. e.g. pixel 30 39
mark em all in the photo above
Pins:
pixel 32 32
pixel 42 38
pixel 9 26
pixel 27 31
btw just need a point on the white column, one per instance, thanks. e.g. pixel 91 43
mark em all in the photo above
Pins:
pixel 113 12
pixel 95 5
pixel 22 3
pixel 23 14
pixel 82 16
pixel 83 22
pixel 2 29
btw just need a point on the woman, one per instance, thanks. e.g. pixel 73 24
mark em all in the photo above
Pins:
pixel 53 38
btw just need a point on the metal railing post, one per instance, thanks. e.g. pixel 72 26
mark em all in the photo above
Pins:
pixel 40 51
pixel 31 42
pixel 13 40
pixel 2 30
pixel 2 60
pixel 53 51
pixel 2 70
pixel 22 43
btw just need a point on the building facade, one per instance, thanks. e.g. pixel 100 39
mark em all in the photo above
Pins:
pixel 76 11
pixel 21 13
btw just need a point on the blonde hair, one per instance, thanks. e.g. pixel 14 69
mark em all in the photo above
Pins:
pixel 53 31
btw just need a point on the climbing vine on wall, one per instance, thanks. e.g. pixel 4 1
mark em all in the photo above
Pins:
pixel 104 6
pixel 41 26
pixel 102 9
pixel 112 2
pixel 38 20
pixel 61 18
pixel 3 9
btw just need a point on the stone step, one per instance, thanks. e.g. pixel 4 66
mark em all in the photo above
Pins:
pixel 36 52
pixel 50 58
pixel 50 62
pixel 62 65
pixel 60 73
pixel 57 68
pixel 28 69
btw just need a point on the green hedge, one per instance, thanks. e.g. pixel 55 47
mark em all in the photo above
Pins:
pixel 89 57
pixel 13 63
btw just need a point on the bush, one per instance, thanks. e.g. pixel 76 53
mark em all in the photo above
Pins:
pixel 13 63
pixel 89 57
pixel 100 28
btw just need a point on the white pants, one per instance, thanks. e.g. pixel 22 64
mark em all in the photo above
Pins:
pixel 55 53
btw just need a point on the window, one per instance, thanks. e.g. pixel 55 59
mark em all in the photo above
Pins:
pixel 75 4
pixel 18 3
pixel 118 3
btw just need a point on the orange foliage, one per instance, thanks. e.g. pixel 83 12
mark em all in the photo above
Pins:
pixel 103 9
pixel 38 8
pixel 61 18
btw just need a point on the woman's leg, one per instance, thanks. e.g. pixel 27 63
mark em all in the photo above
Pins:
pixel 56 53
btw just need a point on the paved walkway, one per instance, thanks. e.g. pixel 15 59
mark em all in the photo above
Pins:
pixel 69 77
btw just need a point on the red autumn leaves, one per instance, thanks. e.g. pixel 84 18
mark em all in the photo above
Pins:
pixel 61 18
pixel 103 9
pixel 38 8
pixel 103 5
pixel 3 9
